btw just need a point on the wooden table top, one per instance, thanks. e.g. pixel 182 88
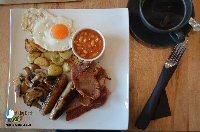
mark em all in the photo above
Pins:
pixel 145 66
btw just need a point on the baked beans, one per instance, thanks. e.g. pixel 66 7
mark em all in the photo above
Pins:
pixel 88 44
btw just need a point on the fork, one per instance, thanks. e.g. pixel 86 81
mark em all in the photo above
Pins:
pixel 167 72
pixel 176 54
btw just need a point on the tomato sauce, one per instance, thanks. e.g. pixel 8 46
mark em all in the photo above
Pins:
pixel 88 44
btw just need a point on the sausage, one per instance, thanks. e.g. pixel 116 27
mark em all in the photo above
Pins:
pixel 53 96
pixel 61 105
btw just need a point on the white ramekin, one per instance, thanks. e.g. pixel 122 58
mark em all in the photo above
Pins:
pixel 72 45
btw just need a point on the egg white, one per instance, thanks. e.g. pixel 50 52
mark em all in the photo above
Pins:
pixel 42 33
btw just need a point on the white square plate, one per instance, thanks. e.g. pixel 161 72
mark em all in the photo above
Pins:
pixel 114 115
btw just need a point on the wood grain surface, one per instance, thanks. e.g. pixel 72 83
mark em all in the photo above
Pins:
pixel 3 2
pixel 145 66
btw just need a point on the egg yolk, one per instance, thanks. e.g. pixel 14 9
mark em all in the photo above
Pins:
pixel 60 31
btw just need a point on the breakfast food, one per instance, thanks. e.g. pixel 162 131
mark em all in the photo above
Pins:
pixel 89 97
pixel 77 108
pixel 54 70
pixel 34 85
pixel 56 80
pixel 85 82
pixel 48 31
pixel 88 44
pixel 53 96
pixel 31 57
pixel 56 62
pixel 31 46
pixel 64 100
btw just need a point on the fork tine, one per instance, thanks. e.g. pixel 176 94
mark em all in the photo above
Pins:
pixel 179 47
pixel 181 53
pixel 176 49
pixel 177 53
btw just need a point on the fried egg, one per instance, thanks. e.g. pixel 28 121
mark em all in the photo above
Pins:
pixel 52 33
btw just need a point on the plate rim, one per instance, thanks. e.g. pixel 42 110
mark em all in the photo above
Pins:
pixel 11 67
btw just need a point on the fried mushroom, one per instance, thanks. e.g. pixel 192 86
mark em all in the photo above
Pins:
pixel 34 95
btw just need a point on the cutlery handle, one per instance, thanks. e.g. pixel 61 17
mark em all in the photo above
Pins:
pixel 149 109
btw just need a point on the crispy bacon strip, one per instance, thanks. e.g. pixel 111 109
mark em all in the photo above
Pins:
pixel 89 80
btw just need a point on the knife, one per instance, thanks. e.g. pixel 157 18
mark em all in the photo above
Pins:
pixel 166 74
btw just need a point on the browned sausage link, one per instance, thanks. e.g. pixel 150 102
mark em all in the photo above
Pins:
pixel 53 96
pixel 64 100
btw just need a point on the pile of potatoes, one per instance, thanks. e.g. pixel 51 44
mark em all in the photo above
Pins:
pixel 55 62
